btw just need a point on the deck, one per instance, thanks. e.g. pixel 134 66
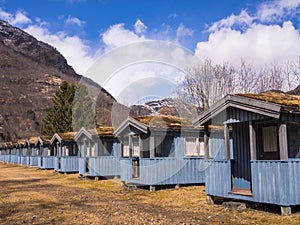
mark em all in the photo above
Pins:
pixel 66 164
pixel 164 171
pixel 100 166
pixel 272 181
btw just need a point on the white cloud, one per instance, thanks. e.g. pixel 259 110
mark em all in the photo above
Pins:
pixel 253 38
pixel 242 19
pixel 277 9
pixel 117 36
pixel 74 21
pixel 18 19
pixel 140 27
pixel 72 47
pixel 259 45
pixel 183 31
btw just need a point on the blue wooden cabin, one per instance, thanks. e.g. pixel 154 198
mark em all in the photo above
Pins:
pixel 23 148
pixel 28 152
pixel 65 152
pixel 15 153
pixel 99 153
pixel 32 154
pixel 258 155
pixel 1 152
pixel 6 151
pixel 45 152
pixel 160 150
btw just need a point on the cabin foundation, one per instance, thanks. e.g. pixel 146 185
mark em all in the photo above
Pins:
pixel 286 210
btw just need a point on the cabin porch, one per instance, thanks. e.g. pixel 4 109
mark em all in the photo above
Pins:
pixel 100 158
pixel 162 170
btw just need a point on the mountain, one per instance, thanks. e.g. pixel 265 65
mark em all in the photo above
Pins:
pixel 30 73
pixel 168 106
pixel 296 91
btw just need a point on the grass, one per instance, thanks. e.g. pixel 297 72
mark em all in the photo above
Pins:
pixel 30 196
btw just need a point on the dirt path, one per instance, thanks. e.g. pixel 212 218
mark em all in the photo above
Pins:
pixel 30 196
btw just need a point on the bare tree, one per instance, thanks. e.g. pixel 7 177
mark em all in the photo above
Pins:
pixel 207 82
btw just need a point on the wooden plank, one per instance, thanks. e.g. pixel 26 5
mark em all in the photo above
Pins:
pixel 152 147
pixel 227 143
pixel 283 142
pixel 252 133
pixel 206 143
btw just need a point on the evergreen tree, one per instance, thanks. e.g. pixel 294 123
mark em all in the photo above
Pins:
pixel 59 117
pixel 83 109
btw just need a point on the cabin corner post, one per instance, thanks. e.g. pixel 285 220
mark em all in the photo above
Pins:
pixel 152 147
pixel 130 146
pixel 206 140
pixel 252 137
pixel 141 153
pixel 226 140
pixel 282 133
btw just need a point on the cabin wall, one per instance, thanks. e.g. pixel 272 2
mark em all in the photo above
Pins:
pixel 108 165
pixel 165 170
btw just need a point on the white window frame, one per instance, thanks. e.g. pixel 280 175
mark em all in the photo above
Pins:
pixel 194 147
pixel 270 139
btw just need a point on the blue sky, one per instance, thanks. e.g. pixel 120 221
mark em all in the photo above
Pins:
pixel 260 32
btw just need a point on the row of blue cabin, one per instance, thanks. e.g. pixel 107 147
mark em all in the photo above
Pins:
pixel 243 148
pixel 166 153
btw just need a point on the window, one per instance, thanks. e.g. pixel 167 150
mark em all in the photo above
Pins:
pixel 93 149
pixel 125 148
pixel 194 146
pixel 293 133
pixel 270 139
pixel 158 146
pixel 135 146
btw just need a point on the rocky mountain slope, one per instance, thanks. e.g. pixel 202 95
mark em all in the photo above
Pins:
pixel 30 72
pixel 168 106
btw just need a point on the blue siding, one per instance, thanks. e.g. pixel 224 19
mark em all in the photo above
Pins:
pixel 46 162
pixel 104 166
pixel 67 164
pixel 24 160
pixel 81 165
pixel 33 160
pixel 15 159
pixel 274 182
pixel 164 171
pixel 7 158
pixel 101 165
pixel 218 178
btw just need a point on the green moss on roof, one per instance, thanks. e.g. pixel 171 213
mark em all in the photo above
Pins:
pixel 45 138
pixel 105 130
pixel 163 121
pixel 32 140
pixel 67 135
pixel 277 98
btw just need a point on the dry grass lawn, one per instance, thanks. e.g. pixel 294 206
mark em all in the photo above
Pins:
pixel 31 196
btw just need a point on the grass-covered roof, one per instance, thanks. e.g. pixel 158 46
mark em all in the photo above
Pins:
pixel 286 100
pixel 163 121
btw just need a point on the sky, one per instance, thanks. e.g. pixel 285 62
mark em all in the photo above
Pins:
pixel 145 46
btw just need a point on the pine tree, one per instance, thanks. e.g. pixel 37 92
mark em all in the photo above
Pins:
pixel 59 117
pixel 83 109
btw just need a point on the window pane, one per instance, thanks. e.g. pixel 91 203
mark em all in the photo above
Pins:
pixel 270 139
pixel 293 132
pixel 136 146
